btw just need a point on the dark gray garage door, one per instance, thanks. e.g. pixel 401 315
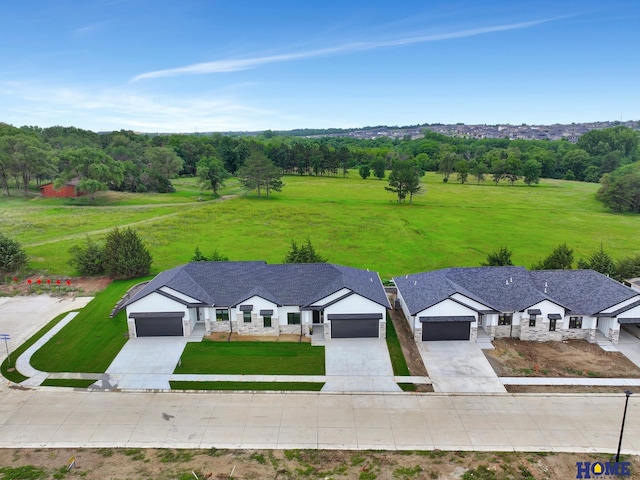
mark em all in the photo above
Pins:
pixel 446 328
pixel 354 328
pixel 159 326
pixel 355 325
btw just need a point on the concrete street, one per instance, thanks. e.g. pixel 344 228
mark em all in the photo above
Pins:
pixel 52 417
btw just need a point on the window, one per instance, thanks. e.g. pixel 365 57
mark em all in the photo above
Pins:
pixel 552 325
pixel 532 320
pixel 267 321
pixel 246 316
pixel 293 318
pixel 505 318
pixel 222 315
pixel 575 322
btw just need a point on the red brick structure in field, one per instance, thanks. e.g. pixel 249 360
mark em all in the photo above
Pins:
pixel 68 190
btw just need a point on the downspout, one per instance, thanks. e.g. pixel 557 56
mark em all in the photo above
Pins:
pixel 230 327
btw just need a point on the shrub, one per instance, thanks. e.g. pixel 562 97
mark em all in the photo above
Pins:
pixel 87 259
pixel 125 256
pixel 12 256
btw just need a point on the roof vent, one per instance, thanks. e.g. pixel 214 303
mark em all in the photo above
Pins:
pixel 371 278
pixel 545 287
pixel 406 276
pixel 415 282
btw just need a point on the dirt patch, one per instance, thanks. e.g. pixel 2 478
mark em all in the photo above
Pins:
pixel 77 286
pixel 168 464
pixel 572 358
pixel 567 389
pixel 234 337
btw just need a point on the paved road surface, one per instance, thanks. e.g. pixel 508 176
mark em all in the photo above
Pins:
pixel 51 417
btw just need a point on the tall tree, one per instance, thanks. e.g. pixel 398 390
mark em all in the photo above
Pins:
pixel 404 180
pixel 162 164
pixel 479 170
pixel 95 169
pixel 600 261
pixel 462 169
pixel 259 173
pixel 447 159
pixel 211 173
pixel 379 165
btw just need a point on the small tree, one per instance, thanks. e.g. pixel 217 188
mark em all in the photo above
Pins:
pixel 560 259
pixel 532 169
pixel 12 257
pixel 87 259
pixel 125 256
pixel 628 267
pixel 365 171
pixel 260 173
pixel 214 257
pixel 303 254
pixel 462 169
pixel 499 258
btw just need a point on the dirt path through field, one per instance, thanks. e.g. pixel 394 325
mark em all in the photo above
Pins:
pixel 101 231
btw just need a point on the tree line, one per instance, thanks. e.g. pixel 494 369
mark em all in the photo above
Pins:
pixel 133 162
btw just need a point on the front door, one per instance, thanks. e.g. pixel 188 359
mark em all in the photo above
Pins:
pixel 317 317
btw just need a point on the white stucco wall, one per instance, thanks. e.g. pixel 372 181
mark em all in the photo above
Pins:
pixel 407 314
pixel 631 313
pixel 446 308
pixel 154 302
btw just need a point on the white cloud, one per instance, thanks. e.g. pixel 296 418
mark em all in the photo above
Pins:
pixel 233 65
pixel 116 108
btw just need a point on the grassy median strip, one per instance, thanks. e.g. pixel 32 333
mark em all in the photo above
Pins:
pixel 67 382
pixel 398 362
pixel 252 358
pixel 90 342
pixel 273 386
pixel 15 376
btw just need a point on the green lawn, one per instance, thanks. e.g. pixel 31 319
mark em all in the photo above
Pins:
pixel 352 221
pixel 273 386
pixel 252 358
pixel 398 362
pixel 91 341
pixel 71 383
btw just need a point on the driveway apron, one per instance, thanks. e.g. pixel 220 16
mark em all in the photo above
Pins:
pixel 358 365
pixel 459 367
pixel 629 345
pixel 144 363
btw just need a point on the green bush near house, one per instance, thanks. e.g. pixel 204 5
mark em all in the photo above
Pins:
pixel 91 341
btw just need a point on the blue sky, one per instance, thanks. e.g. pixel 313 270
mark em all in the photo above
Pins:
pixel 206 65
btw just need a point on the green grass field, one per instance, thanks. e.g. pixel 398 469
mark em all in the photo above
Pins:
pixel 90 342
pixel 351 221
pixel 252 358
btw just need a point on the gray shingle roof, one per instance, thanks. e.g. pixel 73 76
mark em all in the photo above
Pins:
pixel 508 289
pixel 229 283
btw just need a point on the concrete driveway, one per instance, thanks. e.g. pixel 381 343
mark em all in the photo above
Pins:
pixel 459 367
pixel 358 365
pixel 144 363
pixel 629 344
pixel 22 316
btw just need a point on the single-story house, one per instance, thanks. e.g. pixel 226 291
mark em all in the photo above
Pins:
pixel 253 298
pixel 453 303
pixel 68 190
